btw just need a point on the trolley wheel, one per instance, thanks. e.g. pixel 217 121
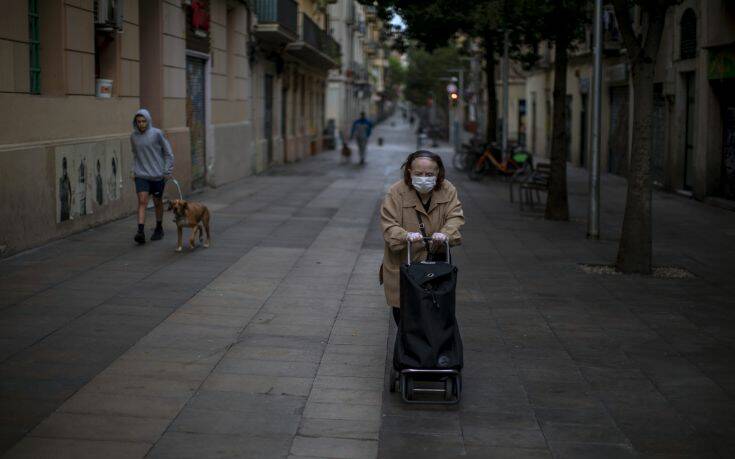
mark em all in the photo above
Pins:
pixel 450 388
pixel 392 380
pixel 410 386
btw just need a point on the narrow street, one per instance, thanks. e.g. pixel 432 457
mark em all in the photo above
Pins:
pixel 275 341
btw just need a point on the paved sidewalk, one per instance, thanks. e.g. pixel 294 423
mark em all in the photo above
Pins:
pixel 559 363
pixel 269 343
pixel 273 342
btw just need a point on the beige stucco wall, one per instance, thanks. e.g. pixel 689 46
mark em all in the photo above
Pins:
pixel 231 96
pixel 67 120
pixel 28 185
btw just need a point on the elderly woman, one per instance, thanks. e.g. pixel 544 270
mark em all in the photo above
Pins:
pixel 422 203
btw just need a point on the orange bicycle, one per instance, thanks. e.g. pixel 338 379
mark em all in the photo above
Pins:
pixel 487 163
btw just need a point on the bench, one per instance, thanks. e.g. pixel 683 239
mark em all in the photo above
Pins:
pixel 536 181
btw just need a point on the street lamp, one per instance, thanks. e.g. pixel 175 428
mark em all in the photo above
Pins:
pixel 593 221
pixel 457 103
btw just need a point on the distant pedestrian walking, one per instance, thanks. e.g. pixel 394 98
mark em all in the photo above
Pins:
pixel 153 163
pixel 361 130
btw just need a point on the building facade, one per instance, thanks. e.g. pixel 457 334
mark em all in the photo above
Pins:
pixel 234 85
pixel 693 149
pixel 358 84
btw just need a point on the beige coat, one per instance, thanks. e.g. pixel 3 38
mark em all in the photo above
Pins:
pixel 398 218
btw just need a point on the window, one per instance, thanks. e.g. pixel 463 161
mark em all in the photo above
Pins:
pixel 108 24
pixel 34 48
pixel 688 32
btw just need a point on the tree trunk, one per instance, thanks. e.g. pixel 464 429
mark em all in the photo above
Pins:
pixel 491 127
pixel 635 249
pixel 636 246
pixel 557 207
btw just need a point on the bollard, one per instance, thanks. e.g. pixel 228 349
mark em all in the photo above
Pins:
pixel 380 141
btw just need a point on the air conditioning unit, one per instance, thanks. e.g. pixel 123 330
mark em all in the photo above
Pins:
pixel 108 15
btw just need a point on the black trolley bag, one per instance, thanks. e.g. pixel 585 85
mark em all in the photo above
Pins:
pixel 427 358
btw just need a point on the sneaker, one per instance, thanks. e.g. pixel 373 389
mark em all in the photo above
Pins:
pixel 140 238
pixel 157 234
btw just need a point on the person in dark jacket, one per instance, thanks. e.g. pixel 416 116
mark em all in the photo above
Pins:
pixel 361 130
pixel 153 163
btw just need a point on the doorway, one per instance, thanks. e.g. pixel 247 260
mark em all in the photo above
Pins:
pixel 268 117
pixel 618 138
pixel 689 131
pixel 284 124
pixel 568 127
pixel 196 118
pixel 583 131
pixel 658 135
pixel 534 123
pixel 728 140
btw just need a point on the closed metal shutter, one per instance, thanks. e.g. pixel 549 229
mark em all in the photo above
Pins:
pixel 658 134
pixel 196 118
pixel 728 152
pixel 268 117
pixel 618 137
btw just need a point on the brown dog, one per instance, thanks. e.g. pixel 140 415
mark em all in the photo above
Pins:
pixel 191 214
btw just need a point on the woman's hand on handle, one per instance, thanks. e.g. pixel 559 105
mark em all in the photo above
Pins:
pixel 413 237
pixel 438 240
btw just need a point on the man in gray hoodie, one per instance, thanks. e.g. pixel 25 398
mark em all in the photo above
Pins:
pixel 153 163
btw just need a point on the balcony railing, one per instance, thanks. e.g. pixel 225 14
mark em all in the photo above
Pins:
pixel 282 12
pixel 317 38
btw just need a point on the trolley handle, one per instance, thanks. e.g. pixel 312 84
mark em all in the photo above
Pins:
pixel 427 240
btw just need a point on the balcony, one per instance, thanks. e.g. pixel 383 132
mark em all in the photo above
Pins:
pixel 372 48
pixel 277 22
pixel 357 72
pixel 315 46
pixel 371 14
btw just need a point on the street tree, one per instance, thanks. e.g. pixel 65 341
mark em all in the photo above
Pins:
pixel 435 23
pixel 560 23
pixel 395 78
pixel 642 46
pixel 426 76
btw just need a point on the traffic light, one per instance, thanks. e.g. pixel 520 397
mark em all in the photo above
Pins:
pixel 453 93
pixel 454 98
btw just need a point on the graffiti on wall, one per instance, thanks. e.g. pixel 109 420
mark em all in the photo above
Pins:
pixel 88 178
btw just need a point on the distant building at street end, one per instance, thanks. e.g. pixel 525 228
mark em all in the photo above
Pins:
pixel 358 84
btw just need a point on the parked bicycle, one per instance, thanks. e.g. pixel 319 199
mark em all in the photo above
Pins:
pixel 489 163
pixel 468 152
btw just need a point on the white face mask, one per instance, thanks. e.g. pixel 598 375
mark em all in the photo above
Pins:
pixel 423 184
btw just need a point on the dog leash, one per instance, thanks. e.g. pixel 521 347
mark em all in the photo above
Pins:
pixel 178 187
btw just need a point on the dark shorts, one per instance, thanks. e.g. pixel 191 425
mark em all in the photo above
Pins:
pixel 154 187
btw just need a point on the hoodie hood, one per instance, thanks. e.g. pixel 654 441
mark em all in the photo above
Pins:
pixel 147 116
